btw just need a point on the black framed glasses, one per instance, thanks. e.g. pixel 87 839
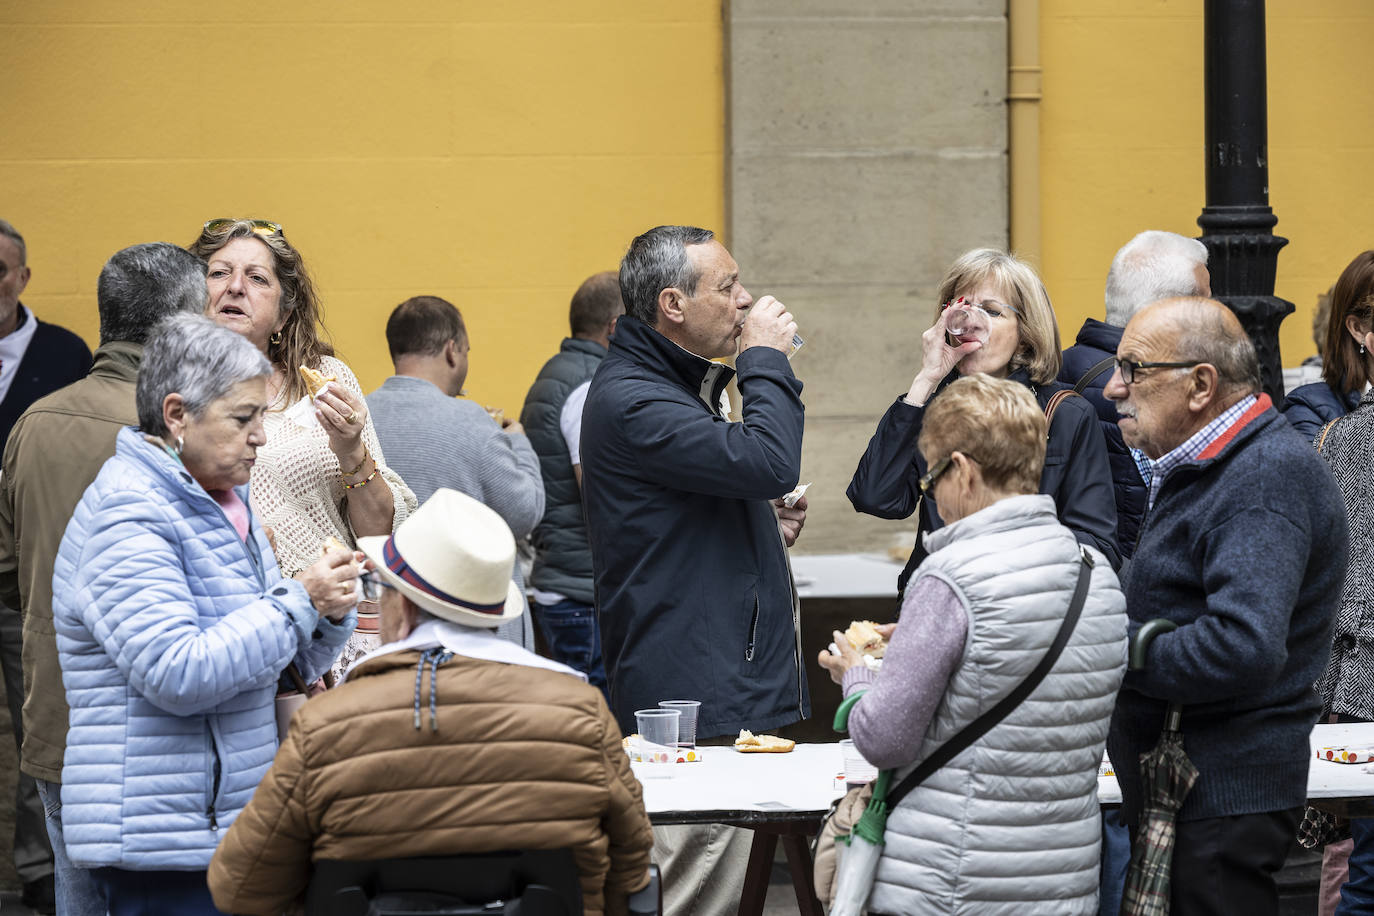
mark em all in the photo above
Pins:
pixel 260 226
pixel 927 481
pixel 373 585
pixel 1129 367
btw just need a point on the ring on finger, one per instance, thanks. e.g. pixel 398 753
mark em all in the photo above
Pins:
pixel 345 587
pixel 351 418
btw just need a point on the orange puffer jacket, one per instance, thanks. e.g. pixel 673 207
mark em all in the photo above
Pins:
pixel 523 758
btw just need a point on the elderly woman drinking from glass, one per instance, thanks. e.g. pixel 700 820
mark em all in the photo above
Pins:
pixel 321 473
pixel 1012 822
pixel 174 625
pixel 1015 336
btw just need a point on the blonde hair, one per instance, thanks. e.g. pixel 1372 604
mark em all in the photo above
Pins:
pixel 996 422
pixel 304 340
pixel 1038 352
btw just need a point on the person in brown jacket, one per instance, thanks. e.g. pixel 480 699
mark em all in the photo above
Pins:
pixel 53 453
pixel 496 749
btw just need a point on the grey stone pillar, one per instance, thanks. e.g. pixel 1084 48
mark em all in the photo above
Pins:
pixel 866 149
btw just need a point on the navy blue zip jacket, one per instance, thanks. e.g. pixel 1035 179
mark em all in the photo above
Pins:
pixel 1310 407
pixel 1096 341
pixel 1244 549
pixel 1076 473
pixel 692 581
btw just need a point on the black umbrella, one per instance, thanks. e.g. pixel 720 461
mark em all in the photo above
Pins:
pixel 1166 776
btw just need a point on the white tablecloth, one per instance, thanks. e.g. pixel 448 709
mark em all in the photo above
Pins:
pixel 726 780
pixel 805 779
pixel 845 575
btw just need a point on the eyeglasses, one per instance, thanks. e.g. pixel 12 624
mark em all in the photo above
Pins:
pixel 1129 367
pixel 989 307
pixel 927 481
pixel 260 226
pixel 373 585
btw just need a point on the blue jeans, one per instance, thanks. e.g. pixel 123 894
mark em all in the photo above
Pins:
pixel 574 638
pixel 1116 856
pixel 1357 894
pixel 77 892
pixel 156 893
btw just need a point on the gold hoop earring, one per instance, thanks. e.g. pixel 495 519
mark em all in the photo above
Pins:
pixel 275 339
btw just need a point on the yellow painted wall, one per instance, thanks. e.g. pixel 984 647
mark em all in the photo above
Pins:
pixel 495 154
pixel 1121 141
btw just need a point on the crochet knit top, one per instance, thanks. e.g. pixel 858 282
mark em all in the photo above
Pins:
pixel 297 491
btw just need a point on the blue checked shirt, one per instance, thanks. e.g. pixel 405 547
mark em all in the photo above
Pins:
pixel 1196 444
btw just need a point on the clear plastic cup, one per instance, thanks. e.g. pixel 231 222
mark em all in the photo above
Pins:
pixel 687 724
pixel 657 740
pixel 857 770
pixel 964 324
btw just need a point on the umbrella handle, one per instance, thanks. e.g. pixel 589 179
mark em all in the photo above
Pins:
pixel 842 714
pixel 1140 642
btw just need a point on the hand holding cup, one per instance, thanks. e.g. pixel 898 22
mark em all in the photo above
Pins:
pixel 768 324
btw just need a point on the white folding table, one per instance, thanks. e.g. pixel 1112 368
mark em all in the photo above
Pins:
pixel 784 796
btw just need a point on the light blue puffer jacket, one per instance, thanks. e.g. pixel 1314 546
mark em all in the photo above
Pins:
pixel 171 633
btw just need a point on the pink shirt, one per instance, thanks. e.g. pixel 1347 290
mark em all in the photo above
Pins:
pixel 234 508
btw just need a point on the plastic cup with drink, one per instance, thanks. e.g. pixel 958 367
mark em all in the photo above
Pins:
pixel 658 731
pixel 965 323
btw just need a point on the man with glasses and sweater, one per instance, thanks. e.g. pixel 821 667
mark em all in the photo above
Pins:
pixel 1243 547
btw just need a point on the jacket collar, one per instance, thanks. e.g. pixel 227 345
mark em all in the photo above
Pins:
pixel 1004 515
pixel 118 359
pixel 1100 335
pixel 1243 428
pixel 590 347
pixel 131 445
pixel 645 347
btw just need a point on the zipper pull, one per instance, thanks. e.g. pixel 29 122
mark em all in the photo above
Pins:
pixel 214 824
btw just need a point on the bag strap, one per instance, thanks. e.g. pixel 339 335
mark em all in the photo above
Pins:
pixel 1321 439
pixel 1093 373
pixel 984 723
pixel 1053 404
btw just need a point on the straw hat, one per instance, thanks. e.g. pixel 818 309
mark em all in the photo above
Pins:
pixel 454 558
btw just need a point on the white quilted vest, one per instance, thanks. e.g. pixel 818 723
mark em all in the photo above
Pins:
pixel 1011 825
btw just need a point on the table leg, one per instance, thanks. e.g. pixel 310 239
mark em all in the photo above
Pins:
pixel 757 873
pixel 797 846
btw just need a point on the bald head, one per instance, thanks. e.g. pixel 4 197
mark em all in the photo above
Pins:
pixel 1205 331
pixel 1190 360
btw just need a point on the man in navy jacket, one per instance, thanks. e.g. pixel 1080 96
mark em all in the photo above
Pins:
pixel 1243 547
pixel 688 536
pixel 691 575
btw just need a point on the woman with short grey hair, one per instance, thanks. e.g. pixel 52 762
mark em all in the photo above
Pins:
pixel 174 625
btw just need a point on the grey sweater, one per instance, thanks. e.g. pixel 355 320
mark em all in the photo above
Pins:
pixel 433 441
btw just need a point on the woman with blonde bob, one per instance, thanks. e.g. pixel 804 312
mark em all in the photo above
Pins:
pixel 1022 346
pixel 1011 824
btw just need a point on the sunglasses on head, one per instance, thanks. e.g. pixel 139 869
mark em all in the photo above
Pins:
pixel 260 226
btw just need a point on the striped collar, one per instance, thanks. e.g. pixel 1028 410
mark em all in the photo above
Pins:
pixel 1208 441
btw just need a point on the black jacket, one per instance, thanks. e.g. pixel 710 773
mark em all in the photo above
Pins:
pixel 1076 473
pixel 692 581
pixel 54 359
pixel 1308 408
pixel 1097 341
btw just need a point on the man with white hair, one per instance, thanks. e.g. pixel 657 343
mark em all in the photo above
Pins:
pixel 1152 266
pixel 446 741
